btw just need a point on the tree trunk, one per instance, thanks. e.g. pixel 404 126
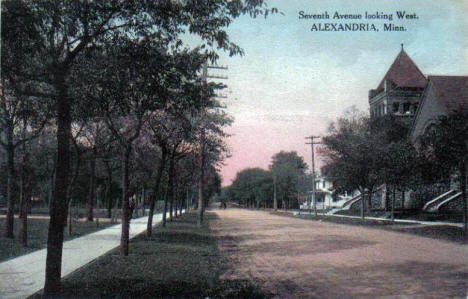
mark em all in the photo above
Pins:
pixel 369 201
pixel 164 220
pixel 10 186
pixel 178 200
pixel 171 187
pixel 124 239
pixel 201 187
pixel 275 199
pixel 402 199
pixel 24 192
pixel 108 190
pixel 92 167
pixel 108 199
pixel 171 208
pixel 388 196
pixel 363 204
pixel 143 201
pixel 162 165
pixel 24 202
pixel 182 201
pixel 393 203
pixel 52 182
pixel 70 217
pixel 58 206
pixel 71 187
pixel 116 210
pixel 23 226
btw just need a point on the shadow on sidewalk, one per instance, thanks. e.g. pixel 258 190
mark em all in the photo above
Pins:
pixel 180 261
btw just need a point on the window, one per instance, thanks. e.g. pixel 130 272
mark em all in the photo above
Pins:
pixel 406 108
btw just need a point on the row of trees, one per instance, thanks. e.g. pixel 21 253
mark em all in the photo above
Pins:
pixel 111 85
pixel 283 185
pixel 363 153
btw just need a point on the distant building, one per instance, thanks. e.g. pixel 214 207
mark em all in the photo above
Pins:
pixel 418 101
pixel 326 196
pixel 400 90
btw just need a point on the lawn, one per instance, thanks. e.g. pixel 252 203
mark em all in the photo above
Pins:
pixel 441 232
pixel 37 236
pixel 180 261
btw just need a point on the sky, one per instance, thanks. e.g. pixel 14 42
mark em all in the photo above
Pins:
pixel 293 82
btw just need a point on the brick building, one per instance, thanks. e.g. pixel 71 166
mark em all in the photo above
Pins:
pixel 400 90
pixel 418 101
pixel 415 99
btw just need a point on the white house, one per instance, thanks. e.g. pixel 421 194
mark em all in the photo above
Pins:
pixel 324 195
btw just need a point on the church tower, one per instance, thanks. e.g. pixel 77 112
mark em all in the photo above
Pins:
pixel 400 90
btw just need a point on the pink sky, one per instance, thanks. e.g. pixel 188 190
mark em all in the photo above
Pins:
pixel 253 145
pixel 292 82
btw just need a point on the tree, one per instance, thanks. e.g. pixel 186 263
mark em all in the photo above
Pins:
pixel 129 83
pixel 398 161
pixel 399 165
pixel 446 141
pixel 20 124
pixel 20 103
pixel 155 131
pixel 251 186
pixel 94 134
pixel 353 154
pixel 288 168
pixel 65 30
pixel 209 121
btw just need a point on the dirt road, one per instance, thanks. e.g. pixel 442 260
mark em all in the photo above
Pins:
pixel 295 258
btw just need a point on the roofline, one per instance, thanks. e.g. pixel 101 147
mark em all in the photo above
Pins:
pixel 402 51
pixel 418 112
pixel 423 98
pixel 458 76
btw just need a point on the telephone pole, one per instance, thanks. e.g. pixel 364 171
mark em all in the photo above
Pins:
pixel 312 143
pixel 275 200
pixel 204 80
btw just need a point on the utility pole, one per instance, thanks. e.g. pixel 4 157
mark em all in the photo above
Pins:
pixel 204 80
pixel 275 200
pixel 312 143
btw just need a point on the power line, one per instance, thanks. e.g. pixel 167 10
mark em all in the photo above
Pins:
pixel 204 78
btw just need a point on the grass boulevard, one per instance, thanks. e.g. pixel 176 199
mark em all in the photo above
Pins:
pixel 246 253
pixel 179 261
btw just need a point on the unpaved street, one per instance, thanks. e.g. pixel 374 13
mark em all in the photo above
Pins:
pixel 294 258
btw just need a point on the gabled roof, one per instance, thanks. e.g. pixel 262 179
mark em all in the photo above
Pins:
pixel 452 91
pixel 404 73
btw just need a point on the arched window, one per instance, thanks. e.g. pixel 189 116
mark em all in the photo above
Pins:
pixel 429 128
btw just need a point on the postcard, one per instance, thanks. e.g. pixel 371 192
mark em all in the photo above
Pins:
pixel 234 149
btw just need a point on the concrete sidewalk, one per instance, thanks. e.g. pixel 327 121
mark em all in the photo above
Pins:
pixel 25 275
pixel 409 221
